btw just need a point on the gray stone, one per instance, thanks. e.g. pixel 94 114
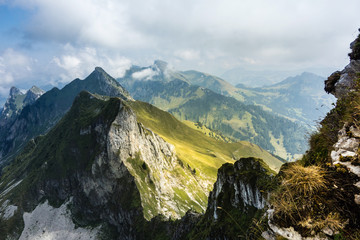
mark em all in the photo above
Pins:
pixel 355 131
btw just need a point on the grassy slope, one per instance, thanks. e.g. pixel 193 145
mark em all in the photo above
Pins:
pixel 202 153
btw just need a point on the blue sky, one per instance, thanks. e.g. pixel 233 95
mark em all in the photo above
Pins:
pixel 53 42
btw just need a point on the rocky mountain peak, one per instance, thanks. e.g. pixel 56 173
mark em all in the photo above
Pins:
pixel 161 65
pixel 104 84
pixel 32 95
pixel 101 75
pixel 14 91
pixel 36 90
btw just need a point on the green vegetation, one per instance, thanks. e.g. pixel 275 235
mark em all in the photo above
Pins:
pixel 347 110
pixel 207 131
pixel 217 112
pixel 200 152
pixel 242 122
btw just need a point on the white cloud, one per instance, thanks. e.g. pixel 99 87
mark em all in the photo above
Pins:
pixel 210 35
pixel 18 69
pixel 80 62
pixel 101 23
pixel 14 67
pixel 145 74
pixel 188 54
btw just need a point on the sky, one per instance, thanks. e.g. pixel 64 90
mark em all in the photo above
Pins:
pixel 45 42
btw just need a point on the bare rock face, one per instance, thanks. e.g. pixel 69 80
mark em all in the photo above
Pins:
pixel 345 153
pixel 154 165
pixel 341 82
pixel 242 187
pixel 346 146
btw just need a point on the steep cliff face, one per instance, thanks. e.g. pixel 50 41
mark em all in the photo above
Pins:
pixel 105 166
pixel 235 185
pixel 239 197
pixel 165 186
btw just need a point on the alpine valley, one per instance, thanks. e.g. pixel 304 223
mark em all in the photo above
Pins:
pixel 166 154
pixel 278 118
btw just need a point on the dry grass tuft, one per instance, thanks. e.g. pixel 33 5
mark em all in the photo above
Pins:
pixel 332 221
pixel 304 180
pixel 301 200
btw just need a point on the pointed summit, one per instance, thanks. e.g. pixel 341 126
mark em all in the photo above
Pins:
pixel 32 95
pixel 36 90
pixel 12 106
pixel 161 65
pixel 14 92
pixel 100 75
pixel 102 83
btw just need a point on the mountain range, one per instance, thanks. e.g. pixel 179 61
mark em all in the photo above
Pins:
pixel 34 119
pixel 277 118
pixel 113 161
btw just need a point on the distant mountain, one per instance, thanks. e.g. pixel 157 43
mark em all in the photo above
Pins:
pixel 253 79
pixel 300 98
pixel 177 93
pixel 17 101
pixel 38 118
pixel 261 78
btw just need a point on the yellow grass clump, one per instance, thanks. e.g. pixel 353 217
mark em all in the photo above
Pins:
pixel 302 201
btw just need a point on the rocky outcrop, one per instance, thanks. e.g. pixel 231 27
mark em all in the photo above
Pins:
pixel 341 82
pixel 330 208
pixel 345 153
pixel 239 197
pixel 239 186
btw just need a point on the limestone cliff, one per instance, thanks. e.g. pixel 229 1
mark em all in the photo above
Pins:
pixel 239 197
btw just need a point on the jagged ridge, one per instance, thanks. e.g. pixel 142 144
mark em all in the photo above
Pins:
pixel 45 112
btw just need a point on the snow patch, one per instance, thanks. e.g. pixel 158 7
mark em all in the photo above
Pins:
pixel 7 211
pixel 46 222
